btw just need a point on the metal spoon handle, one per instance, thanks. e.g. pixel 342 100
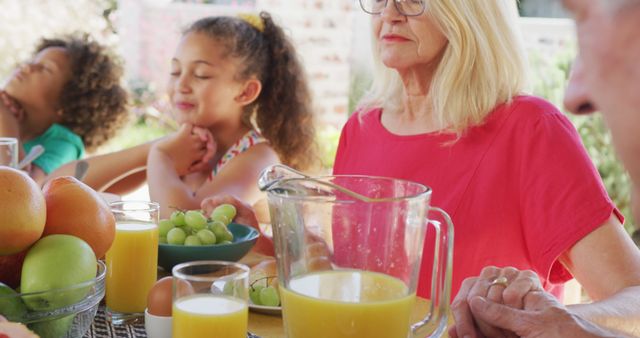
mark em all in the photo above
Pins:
pixel 34 153
pixel 81 170
pixel 275 173
pixel 278 173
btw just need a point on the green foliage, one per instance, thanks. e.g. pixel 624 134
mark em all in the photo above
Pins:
pixel 360 82
pixel 597 140
pixel 549 79
pixel 327 140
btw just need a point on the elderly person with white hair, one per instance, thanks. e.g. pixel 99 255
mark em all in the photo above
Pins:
pixel 606 77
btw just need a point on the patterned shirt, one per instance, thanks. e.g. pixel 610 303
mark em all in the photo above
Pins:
pixel 247 141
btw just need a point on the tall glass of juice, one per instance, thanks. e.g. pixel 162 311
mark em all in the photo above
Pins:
pixel 210 299
pixel 132 260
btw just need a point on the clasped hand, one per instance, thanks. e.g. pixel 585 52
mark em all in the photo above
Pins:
pixel 507 287
pixel 191 149
pixel 506 302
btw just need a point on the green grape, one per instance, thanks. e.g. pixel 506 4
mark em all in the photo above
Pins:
pixel 177 218
pixel 227 236
pixel 188 230
pixel 224 242
pixel 206 237
pixel 226 211
pixel 176 236
pixel 164 226
pixel 162 240
pixel 254 294
pixel 192 240
pixel 218 229
pixel 221 218
pixel 221 232
pixel 269 296
pixel 228 289
pixel 258 278
pixel 195 219
pixel 215 224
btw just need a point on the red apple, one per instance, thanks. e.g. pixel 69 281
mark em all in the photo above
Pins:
pixel 10 268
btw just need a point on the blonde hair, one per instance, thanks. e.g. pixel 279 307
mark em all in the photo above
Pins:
pixel 483 64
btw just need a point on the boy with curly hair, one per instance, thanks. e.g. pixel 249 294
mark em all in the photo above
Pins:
pixel 68 99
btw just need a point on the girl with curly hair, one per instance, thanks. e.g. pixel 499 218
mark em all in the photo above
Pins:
pixel 240 95
pixel 68 99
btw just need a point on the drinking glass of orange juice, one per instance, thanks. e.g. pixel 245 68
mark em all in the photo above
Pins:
pixel 350 250
pixel 210 299
pixel 132 260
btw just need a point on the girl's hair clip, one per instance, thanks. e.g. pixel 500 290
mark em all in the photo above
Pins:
pixel 252 19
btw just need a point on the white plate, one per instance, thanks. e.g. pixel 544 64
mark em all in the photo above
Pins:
pixel 267 310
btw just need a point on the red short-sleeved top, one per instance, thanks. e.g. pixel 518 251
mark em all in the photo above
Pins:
pixel 520 188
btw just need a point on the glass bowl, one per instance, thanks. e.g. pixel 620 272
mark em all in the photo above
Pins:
pixel 244 238
pixel 71 318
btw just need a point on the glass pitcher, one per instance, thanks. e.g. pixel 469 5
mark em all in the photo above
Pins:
pixel 348 252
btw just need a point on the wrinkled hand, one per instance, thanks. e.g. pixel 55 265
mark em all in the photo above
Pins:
pixel 190 149
pixel 244 215
pixel 519 284
pixel 542 316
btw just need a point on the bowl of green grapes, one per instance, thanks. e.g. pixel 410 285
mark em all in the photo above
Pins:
pixel 190 235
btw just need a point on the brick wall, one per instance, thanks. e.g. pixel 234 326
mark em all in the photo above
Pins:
pixel 321 30
pixel 331 36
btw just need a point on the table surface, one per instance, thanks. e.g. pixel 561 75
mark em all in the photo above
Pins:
pixel 267 326
pixel 262 325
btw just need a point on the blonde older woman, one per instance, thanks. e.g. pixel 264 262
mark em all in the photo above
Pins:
pixel 446 109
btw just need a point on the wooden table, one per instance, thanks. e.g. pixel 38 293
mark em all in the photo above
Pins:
pixel 267 326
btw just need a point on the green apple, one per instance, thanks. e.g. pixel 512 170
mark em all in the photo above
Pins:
pixel 54 262
pixel 11 305
pixel 54 328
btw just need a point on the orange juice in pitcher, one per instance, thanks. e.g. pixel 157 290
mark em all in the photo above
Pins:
pixel 368 232
pixel 347 304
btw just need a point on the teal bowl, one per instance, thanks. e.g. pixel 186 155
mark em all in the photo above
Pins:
pixel 244 238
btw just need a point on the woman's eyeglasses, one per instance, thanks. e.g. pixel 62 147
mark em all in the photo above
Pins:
pixel 404 7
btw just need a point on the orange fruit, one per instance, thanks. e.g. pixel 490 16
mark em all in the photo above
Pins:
pixel 22 211
pixel 73 208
